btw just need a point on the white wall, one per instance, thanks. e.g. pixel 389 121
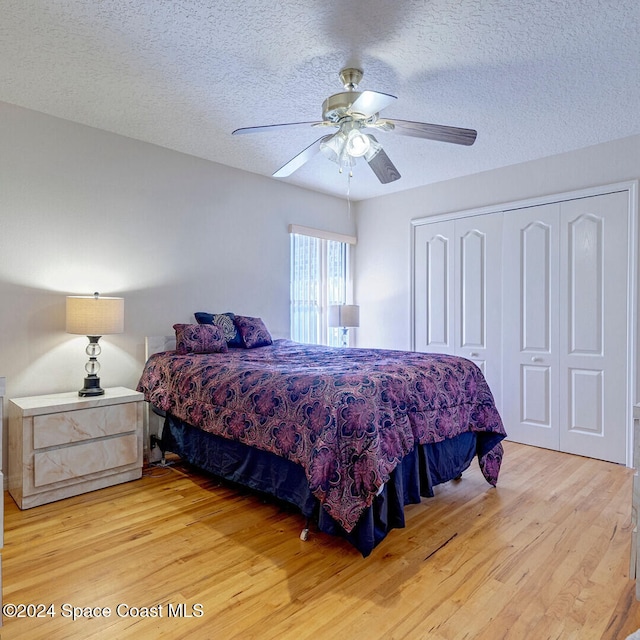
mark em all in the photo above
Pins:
pixel 384 228
pixel 82 210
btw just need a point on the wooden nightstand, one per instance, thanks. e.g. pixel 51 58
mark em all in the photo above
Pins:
pixel 61 445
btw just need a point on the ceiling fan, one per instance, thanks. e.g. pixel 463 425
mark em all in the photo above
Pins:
pixel 354 112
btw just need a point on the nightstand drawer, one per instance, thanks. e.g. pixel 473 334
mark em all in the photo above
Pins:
pixel 82 459
pixel 83 424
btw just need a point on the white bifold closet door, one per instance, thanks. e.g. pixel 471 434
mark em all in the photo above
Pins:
pixel 565 271
pixel 457 286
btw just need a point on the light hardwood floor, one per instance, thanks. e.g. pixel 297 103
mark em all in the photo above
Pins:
pixel 545 555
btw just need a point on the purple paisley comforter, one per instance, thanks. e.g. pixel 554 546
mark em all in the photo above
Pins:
pixel 347 416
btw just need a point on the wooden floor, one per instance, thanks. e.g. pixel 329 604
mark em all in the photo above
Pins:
pixel 545 555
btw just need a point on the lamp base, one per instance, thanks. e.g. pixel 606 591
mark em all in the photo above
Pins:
pixel 91 387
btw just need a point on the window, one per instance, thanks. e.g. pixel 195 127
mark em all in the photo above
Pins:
pixel 320 276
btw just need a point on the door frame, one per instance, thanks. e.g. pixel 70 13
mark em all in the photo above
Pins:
pixel 633 340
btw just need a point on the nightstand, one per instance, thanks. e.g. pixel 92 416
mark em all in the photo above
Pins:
pixel 61 445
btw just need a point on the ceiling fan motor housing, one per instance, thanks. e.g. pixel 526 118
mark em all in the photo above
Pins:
pixel 335 107
pixel 350 78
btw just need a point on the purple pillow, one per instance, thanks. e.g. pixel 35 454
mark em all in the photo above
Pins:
pixel 252 332
pixel 199 338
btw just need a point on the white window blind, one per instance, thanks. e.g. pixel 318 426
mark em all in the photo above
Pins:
pixel 320 276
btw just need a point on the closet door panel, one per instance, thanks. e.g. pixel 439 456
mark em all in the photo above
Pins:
pixel 530 325
pixel 585 247
pixel 535 385
pixel 593 316
pixel 477 285
pixel 535 285
pixel 472 289
pixel 433 293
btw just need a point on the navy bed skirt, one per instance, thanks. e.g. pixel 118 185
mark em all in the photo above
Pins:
pixel 414 478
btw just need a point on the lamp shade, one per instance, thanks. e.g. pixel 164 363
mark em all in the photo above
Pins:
pixel 344 315
pixel 95 316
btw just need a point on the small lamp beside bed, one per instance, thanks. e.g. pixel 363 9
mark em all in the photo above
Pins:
pixel 94 317
pixel 344 316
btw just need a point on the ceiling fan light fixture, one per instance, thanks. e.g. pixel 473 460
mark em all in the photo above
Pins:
pixel 373 150
pixel 345 160
pixel 357 143
pixel 333 147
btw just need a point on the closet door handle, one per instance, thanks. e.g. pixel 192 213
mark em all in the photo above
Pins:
pixel 474 354
pixel 536 359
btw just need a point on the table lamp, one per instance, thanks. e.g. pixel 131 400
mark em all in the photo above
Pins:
pixel 94 317
pixel 345 316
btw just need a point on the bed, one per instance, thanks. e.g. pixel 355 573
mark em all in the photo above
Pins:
pixel 348 436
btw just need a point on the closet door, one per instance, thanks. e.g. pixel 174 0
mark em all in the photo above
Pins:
pixel 477 294
pixel 457 290
pixel 565 325
pixel 593 326
pixel 531 399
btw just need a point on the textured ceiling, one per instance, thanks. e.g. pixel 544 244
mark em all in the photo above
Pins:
pixel 533 77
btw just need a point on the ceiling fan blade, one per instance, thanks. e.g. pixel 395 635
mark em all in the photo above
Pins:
pixel 370 102
pixel 382 166
pixel 439 132
pixel 304 156
pixel 272 127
